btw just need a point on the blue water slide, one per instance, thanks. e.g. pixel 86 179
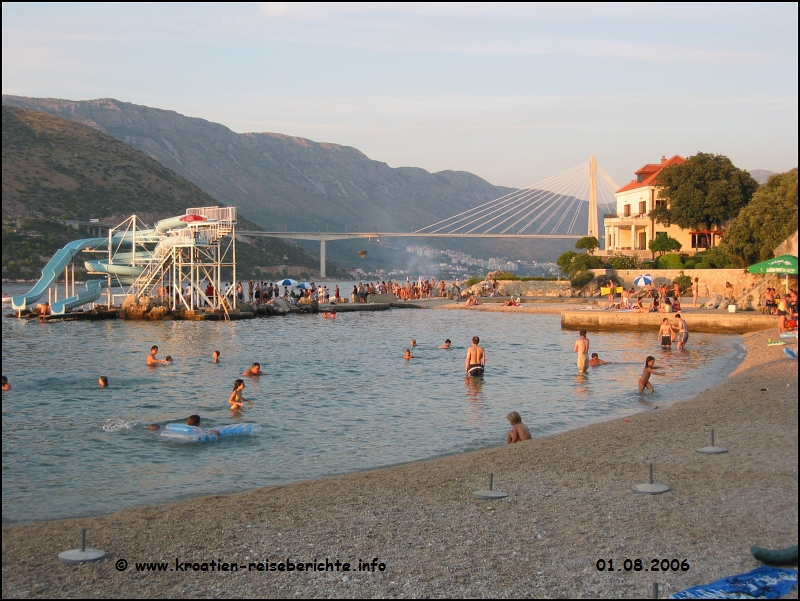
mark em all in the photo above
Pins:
pixel 53 269
pixel 94 289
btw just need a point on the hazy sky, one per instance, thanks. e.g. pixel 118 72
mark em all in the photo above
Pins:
pixel 511 92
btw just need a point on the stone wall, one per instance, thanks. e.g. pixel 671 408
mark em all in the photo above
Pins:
pixel 711 280
pixel 534 288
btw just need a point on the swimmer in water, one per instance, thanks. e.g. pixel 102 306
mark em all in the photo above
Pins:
pixel 153 427
pixel 446 344
pixel 596 360
pixel 408 354
pixel 649 370
pixel 6 385
pixel 236 399
pixel 151 358
pixel 103 381
pixel 413 343
pixel 168 359
pixel 518 431
pixel 254 371
pixel 194 420
pixel 215 356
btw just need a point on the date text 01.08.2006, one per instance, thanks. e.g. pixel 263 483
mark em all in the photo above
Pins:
pixel 638 565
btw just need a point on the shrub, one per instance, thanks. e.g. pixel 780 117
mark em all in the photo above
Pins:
pixel 670 261
pixel 620 261
pixel 580 279
pixel 476 279
pixel 690 263
pixel 702 265
pixel 684 281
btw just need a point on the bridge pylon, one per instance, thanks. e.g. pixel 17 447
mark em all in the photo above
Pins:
pixel 594 228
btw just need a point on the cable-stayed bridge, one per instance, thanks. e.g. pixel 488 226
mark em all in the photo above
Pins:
pixel 551 208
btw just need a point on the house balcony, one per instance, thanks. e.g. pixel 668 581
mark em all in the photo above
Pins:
pixel 615 219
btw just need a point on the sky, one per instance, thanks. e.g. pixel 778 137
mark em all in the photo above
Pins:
pixel 512 92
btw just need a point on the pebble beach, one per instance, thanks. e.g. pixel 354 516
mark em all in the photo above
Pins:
pixel 570 503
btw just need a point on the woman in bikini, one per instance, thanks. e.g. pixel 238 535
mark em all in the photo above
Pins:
pixel 236 400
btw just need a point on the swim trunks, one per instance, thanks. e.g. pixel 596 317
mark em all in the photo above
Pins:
pixel 666 340
pixel 583 359
pixel 682 337
pixel 475 369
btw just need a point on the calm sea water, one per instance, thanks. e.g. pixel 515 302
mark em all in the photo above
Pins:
pixel 337 397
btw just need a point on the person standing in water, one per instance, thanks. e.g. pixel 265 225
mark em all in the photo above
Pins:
pixel 682 331
pixel 582 348
pixel 236 400
pixel 151 358
pixel 649 370
pixel 476 358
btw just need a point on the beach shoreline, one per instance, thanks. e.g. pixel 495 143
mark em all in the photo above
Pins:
pixel 570 503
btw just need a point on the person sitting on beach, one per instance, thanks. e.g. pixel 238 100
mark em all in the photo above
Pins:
pixel 676 304
pixel 472 301
pixel 103 381
pixel 253 371
pixel 446 344
pixel 666 307
pixel 236 400
pixel 665 334
pixel 215 356
pixel 596 360
pixel 518 431
pixel 151 358
pixel 408 354
pixel 649 370
pixel 639 308
pixel 6 383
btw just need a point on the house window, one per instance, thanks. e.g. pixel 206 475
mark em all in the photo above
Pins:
pixel 627 211
pixel 642 207
pixel 639 178
pixel 701 241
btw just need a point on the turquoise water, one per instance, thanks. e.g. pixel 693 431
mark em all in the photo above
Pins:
pixel 337 397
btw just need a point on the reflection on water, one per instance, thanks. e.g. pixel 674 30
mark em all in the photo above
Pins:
pixel 337 397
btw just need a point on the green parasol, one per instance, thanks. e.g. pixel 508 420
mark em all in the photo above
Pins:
pixel 786 264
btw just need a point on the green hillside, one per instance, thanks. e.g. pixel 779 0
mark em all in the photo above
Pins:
pixel 56 170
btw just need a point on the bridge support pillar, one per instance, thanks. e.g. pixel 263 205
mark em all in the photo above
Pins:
pixel 322 258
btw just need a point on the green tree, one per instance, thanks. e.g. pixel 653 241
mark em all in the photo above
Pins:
pixel 571 262
pixel 663 243
pixel 706 189
pixel 564 262
pixel 588 243
pixel 768 220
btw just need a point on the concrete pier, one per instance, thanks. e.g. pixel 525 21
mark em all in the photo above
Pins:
pixel 698 321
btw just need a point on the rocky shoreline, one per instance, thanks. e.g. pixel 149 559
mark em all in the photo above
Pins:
pixel 570 504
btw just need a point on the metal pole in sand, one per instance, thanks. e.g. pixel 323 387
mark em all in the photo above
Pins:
pixel 491 494
pixel 712 450
pixel 650 488
pixel 655 590
pixel 82 555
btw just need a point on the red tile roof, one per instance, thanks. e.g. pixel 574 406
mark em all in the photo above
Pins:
pixel 649 173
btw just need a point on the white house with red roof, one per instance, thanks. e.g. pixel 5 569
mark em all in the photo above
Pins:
pixel 630 230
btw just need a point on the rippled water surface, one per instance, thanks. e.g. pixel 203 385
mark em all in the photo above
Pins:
pixel 337 397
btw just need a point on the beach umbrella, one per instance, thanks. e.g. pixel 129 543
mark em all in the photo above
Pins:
pixel 287 282
pixel 643 280
pixel 304 286
pixel 784 264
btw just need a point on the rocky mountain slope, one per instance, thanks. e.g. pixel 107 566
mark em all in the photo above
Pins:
pixel 280 181
pixel 55 169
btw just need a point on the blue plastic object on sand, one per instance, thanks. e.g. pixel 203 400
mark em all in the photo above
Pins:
pixel 790 353
pixel 761 583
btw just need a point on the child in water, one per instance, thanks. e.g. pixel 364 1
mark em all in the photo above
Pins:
pixel 408 354
pixel 103 381
pixel 649 370
pixel 215 356
pixel 236 399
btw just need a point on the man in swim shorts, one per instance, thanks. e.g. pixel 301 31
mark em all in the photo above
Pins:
pixel 518 431
pixel 582 348
pixel 682 331
pixel 476 356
